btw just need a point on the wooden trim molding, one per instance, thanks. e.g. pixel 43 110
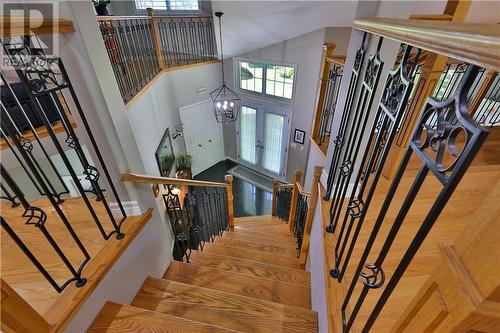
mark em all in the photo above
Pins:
pixel 230 205
pixel 11 26
pixel 313 200
pixel 18 315
pixel 478 44
pixel 73 297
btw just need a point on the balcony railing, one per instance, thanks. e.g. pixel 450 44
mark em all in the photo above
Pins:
pixel 140 47
pixel 446 135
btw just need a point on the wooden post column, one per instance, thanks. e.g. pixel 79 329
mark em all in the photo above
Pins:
pixel 304 251
pixel 323 80
pixel 230 206
pixel 156 40
pixel 295 195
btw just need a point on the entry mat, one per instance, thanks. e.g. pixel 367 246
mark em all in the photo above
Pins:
pixel 253 177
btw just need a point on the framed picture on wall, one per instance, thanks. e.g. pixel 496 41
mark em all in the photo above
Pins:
pixel 164 155
pixel 299 136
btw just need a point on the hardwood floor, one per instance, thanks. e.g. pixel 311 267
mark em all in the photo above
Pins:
pixel 29 283
pixel 224 288
pixel 457 214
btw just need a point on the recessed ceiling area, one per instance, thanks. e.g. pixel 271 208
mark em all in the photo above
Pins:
pixel 250 25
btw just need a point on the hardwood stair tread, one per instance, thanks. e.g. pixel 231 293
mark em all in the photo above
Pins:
pixel 223 309
pixel 123 318
pixel 242 235
pixel 262 235
pixel 252 268
pixel 259 256
pixel 266 228
pixel 244 285
pixel 259 245
pixel 244 219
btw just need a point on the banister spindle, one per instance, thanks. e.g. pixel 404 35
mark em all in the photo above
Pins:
pixel 295 195
pixel 156 40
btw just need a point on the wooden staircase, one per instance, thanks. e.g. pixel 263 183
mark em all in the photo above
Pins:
pixel 248 280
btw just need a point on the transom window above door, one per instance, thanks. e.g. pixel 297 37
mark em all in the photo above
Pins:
pixel 172 5
pixel 268 79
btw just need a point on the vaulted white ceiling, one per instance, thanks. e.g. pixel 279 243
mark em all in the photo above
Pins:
pixel 250 25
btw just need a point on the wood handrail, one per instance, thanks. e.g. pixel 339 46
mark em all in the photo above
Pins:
pixel 339 60
pixel 432 17
pixel 301 190
pixel 478 44
pixel 144 179
pixel 11 26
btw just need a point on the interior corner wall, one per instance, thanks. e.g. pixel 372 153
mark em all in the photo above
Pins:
pixel 304 51
pixel 340 36
pixel 158 108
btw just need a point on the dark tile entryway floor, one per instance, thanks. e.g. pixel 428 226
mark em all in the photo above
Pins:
pixel 249 200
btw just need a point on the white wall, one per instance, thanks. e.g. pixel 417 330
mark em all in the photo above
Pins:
pixel 316 157
pixel 304 51
pixel 158 108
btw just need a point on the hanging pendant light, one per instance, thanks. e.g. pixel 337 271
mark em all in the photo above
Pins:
pixel 226 102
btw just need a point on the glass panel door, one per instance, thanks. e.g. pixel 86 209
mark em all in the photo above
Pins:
pixel 248 135
pixel 273 153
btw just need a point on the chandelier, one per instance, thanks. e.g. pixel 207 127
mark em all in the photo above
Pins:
pixel 226 102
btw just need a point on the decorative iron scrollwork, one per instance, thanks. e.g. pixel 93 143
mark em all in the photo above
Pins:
pixel 345 168
pixel 357 59
pixel 375 279
pixel 91 173
pixel 394 91
pixel 356 207
pixel 27 144
pixel 70 140
pixel 338 142
pixel 35 216
pixel 372 69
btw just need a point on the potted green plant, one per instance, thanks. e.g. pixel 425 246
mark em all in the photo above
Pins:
pixel 101 7
pixel 184 162
pixel 166 163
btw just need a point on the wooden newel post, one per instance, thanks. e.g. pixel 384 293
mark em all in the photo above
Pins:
pixel 295 195
pixel 310 215
pixel 230 207
pixel 275 191
pixel 156 40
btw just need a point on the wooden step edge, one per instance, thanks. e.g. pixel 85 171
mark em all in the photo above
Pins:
pixel 72 298
pixel 153 321
pixel 263 235
pixel 276 268
pixel 151 279
pixel 253 217
pixel 254 236
pixel 236 249
pixel 233 273
pixel 285 251
pixel 254 262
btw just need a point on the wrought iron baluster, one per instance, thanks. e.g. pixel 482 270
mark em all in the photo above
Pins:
pixel 346 113
pixel 355 136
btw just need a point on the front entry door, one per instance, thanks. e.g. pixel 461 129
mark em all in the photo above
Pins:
pixel 262 133
pixel 202 135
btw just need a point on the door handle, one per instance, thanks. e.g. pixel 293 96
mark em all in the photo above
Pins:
pixel 210 140
pixel 199 145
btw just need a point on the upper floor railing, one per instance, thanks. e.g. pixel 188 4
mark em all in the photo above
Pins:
pixel 445 134
pixel 140 47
